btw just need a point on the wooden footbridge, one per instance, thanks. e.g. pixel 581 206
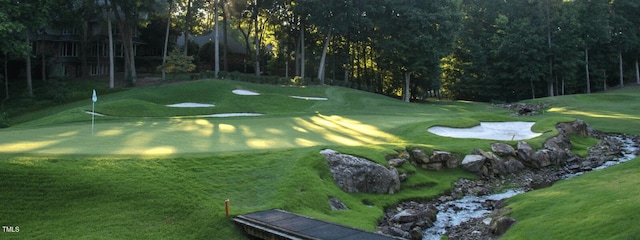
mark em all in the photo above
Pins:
pixel 279 224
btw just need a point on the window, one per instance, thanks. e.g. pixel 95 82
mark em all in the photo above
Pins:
pixel 99 49
pixel 68 31
pixel 68 49
pixel 98 69
pixel 104 49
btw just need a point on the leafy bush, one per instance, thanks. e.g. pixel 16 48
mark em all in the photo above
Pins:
pixel 178 62
pixel 4 120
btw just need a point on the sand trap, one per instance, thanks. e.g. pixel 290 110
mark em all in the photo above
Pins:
pixel 190 105
pixel 232 115
pixel 245 92
pixel 95 113
pixel 310 98
pixel 490 131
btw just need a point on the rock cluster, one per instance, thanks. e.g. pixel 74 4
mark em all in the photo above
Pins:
pixel 519 167
pixel 524 109
pixel 503 159
pixel 354 174
pixel 419 157
pixel 409 220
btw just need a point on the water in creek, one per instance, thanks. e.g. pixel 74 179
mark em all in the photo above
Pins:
pixel 455 212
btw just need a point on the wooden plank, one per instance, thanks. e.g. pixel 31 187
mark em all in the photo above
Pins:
pixel 293 226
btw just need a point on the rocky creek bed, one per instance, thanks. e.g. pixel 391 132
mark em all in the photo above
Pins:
pixel 445 215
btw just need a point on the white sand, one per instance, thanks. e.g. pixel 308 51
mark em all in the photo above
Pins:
pixel 232 115
pixel 310 98
pixel 190 105
pixel 490 131
pixel 245 92
pixel 94 113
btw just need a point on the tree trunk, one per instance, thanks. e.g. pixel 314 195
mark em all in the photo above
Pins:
pixel 323 58
pixel 407 81
pixel 111 61
pixel 586 67
pixel 297 58
pixel 225 34
pixel 533 90
pixel 637 73
pixel 166 43
pixel 621 70
pixel 217 42
pixel 127 42
pixel 28 60
pixel 186 28
pixel 302 52
pixel 6 77
pixel 604 80
pixel 256 39
pixel 550 79
pixel 43 60
pixel 84 66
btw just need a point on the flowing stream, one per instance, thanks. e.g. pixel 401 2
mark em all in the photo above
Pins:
pixel 455 212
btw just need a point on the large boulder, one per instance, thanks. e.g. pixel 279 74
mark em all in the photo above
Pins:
pixel 473 162
pixel 446 158
pixel 576 127
pixel 500 225
pixel 543 158
pixel 524 151
pixel 503 149
pixel 354 174
pixel 419 156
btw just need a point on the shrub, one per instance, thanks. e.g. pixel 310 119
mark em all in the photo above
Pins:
pixel 4 120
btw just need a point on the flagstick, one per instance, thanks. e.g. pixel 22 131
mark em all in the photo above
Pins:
pixel 93 115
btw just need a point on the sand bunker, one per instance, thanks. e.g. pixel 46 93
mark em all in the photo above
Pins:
pixel 310 98
pixel 491 131
pixel 95 113
pixel 190 105
pixel 232 115
pixel 245 92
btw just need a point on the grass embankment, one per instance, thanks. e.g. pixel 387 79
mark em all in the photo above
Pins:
pixel 156 172
pixel 598 205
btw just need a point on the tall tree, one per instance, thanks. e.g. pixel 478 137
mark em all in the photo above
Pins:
pixel 594 19
pixel 625 31
pixel 18 20
pixel 415 35
pixel 128 15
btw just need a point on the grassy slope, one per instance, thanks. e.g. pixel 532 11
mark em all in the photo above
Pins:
pixel 598 205
pixel 159 177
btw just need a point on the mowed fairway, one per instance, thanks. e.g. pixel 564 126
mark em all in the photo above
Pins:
pixel 157 130
pixel 167 137
pixel 154 172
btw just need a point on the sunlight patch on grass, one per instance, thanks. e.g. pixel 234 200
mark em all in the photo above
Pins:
pixel 299 129
pixel 258 143
pixel 164 150
pixel 68 134
pixel 247 132
pixel 305 142
pixel 563 110
pixel 226 128
pixel 109 133
pixel 340 130
pixel 26 146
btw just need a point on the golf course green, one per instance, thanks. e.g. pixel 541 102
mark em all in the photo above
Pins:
pixel 145 170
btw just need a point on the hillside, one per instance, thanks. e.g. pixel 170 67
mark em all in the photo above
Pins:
pixel 152 171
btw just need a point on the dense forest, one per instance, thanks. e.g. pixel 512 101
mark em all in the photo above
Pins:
pixel 481 50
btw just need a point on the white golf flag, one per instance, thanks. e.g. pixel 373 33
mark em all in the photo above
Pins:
pixel 94 98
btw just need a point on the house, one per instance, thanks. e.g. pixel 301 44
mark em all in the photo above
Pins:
pixel 61 50
pixel 236 51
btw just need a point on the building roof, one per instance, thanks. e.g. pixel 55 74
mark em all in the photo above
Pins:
pixel 234 45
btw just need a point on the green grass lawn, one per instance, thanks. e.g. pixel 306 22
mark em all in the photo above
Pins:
pixel 150 171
